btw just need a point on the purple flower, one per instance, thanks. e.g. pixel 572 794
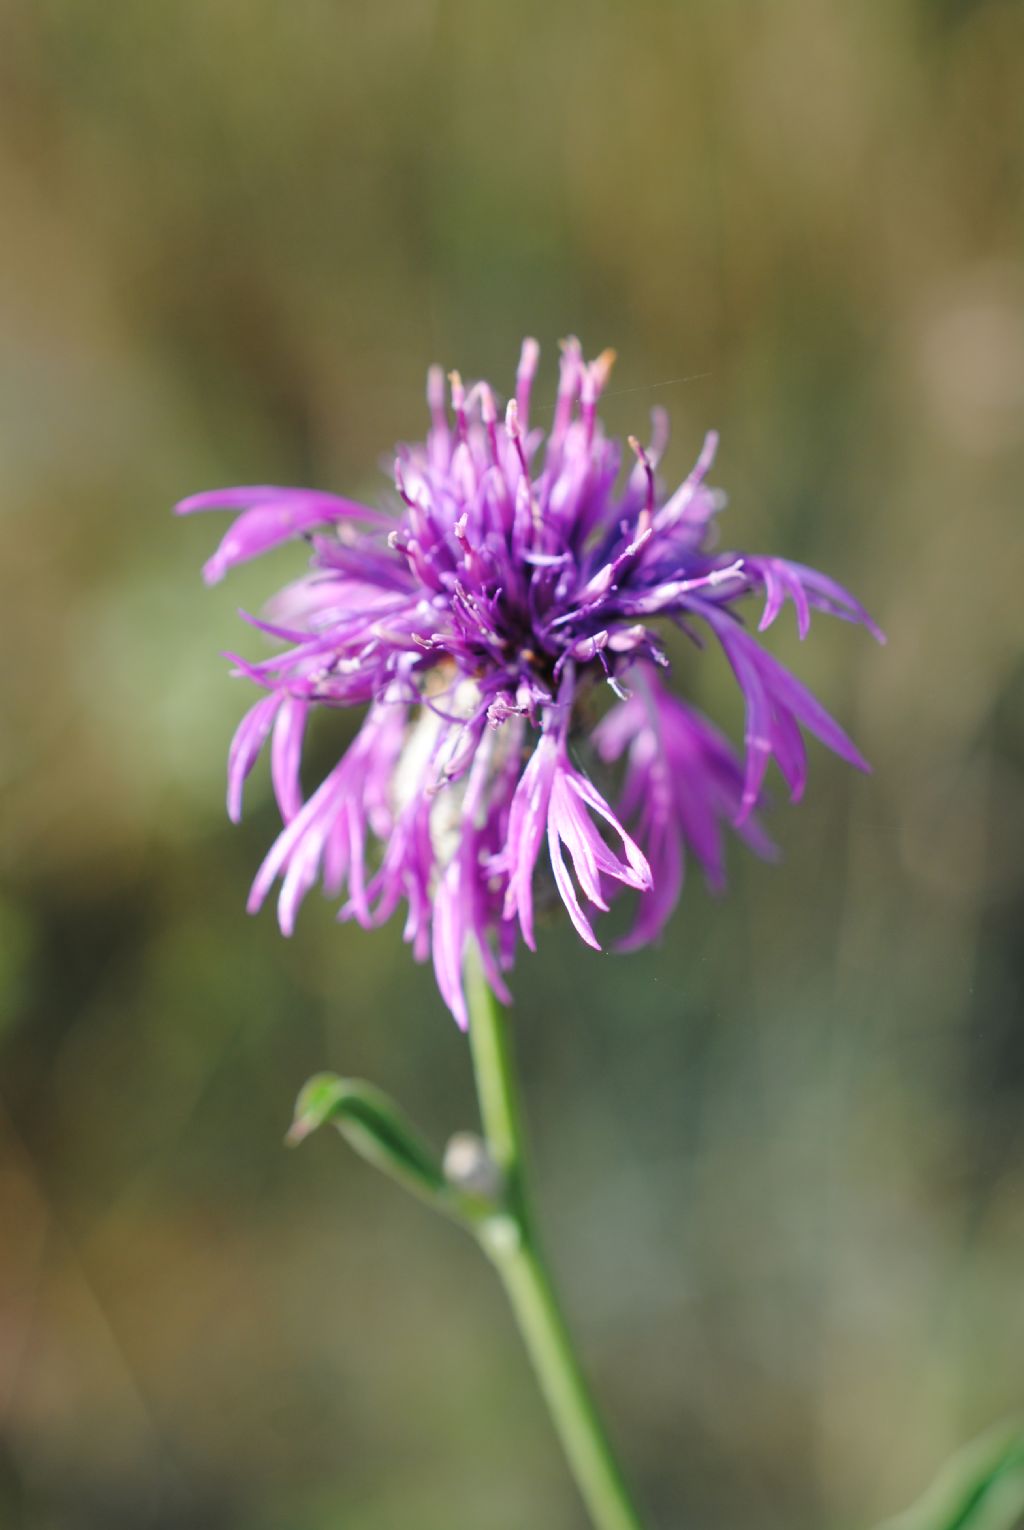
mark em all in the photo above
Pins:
pixel 514 582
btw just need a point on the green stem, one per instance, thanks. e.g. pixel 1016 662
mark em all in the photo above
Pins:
pixel 510 1241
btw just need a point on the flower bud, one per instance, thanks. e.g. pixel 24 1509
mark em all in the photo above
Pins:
pixel 469 1167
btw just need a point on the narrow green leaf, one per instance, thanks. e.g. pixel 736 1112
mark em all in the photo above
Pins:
pixel 377 1128
pixel 981 1488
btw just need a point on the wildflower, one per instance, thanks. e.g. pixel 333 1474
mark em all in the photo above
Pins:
pixel 512 578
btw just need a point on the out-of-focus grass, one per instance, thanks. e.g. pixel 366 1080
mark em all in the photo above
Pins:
pixel 781 1156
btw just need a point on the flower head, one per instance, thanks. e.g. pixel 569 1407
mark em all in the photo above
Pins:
pixel 515 576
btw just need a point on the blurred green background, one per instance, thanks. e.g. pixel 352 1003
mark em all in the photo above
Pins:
pixel 781 1159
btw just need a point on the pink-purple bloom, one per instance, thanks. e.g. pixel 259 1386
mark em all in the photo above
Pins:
pixel 516 580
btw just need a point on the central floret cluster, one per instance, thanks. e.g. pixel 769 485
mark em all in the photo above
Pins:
pixel 514 573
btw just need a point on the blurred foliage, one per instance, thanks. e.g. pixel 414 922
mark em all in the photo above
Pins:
pixel 982 1488
pixel 780 1157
